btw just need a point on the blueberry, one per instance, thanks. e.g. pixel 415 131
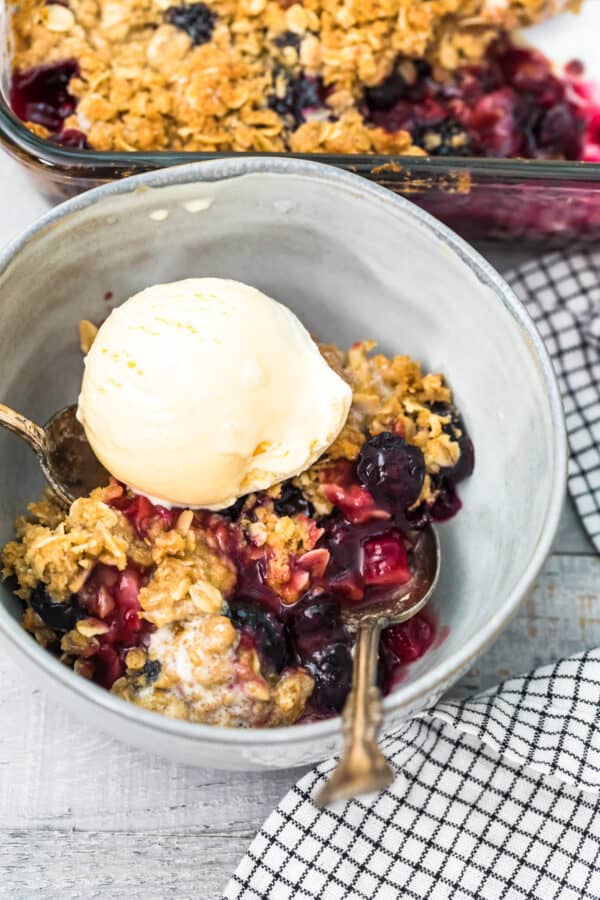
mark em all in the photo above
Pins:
pixel 269 633
pixel 288 39
pixel 197 19
pixel 292 501
pixel 392 470
pixel 151 670
pixel 301 94
pixel 331 668
pixel 59 617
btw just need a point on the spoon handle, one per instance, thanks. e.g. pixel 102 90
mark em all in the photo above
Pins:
pixel 362 767
pixel 31 433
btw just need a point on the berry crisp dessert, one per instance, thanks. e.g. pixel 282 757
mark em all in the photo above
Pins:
pixel 434 77
pixel 233 616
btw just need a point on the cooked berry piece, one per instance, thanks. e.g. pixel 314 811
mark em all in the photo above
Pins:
pixel 268 632
pixel 331 668
pixel 288 39
pixel 408 81
pixel 142 513
pixel 315 623
pixel 455 428
pixel 292 501
pixel 447 502
pixel 447 139
pixel 302 95
pixel 559 132
pixel 197 19
pixel 151 670
pixel 109 665
pixel 386 94
pixel 392 470
pixel 59 617
pixel 41 94
pixel 408 641
pixel 385 560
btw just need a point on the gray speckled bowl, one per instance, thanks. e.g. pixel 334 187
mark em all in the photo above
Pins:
pixel 353 261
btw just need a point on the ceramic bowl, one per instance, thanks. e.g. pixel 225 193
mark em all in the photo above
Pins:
pixel 353 261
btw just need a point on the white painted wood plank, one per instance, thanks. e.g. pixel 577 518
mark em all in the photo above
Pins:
pixel 65 865
pixel 571 536
pixel 20 203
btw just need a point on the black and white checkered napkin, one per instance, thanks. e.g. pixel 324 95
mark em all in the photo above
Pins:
pixel 562 294
pixel 496 797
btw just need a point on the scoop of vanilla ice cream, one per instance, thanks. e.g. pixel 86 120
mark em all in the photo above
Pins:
pixel 200 391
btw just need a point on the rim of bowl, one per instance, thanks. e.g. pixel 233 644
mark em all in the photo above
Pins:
pixel 426 684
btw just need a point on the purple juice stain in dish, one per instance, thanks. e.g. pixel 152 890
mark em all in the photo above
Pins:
pixel 72 138
pixel 41 94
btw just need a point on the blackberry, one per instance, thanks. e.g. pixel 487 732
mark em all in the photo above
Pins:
pixel 59 617
pixel 197 20
pixel 446 139
pixel 292 501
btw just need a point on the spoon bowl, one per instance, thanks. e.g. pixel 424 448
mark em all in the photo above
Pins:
pixel 65 456
pixel 362 767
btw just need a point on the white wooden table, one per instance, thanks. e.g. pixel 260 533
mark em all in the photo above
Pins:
pixel 84 817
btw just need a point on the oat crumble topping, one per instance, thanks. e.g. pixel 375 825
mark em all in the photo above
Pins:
pixel 242 75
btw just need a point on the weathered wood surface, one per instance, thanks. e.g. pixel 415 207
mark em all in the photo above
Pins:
pixel 85 817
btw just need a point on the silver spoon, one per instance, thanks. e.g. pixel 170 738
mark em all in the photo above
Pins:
pixel 66 458
pixel 362 767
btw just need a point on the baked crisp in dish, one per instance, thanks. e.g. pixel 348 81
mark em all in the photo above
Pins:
pixel 233 617
pixel 321 76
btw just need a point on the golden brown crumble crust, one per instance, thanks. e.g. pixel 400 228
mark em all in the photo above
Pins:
pixel 144 85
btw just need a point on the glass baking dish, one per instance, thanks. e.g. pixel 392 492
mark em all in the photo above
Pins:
pixel 535 200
